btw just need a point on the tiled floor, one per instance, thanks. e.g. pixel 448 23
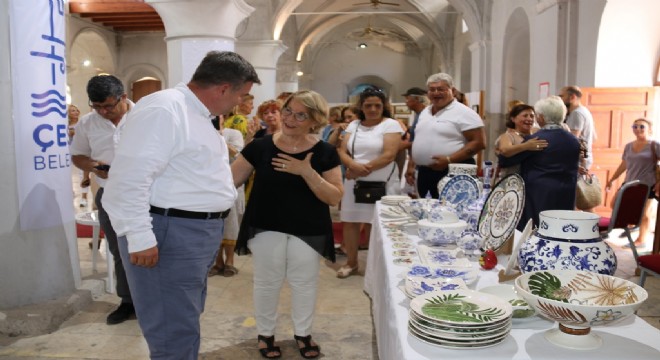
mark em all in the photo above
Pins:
pixel 343 324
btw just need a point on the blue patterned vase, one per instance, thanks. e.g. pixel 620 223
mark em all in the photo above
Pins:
pixel 567 240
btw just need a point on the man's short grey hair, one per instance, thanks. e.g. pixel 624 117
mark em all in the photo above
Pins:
pixel 552 108
pixel 446 78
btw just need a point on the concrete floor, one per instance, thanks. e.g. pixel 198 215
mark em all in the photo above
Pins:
pixel 343 325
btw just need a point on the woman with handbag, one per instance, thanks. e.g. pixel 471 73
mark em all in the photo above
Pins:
pixel 639 162
pixel 367 151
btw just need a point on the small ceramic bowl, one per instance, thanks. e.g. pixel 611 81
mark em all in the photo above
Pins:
pixel 521 309
pixel 440 234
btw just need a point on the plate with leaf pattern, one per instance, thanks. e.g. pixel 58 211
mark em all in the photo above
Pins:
pixel 501 212
pixel 461 307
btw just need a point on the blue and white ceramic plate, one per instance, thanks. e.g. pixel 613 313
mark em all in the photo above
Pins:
pixel 502 211
pixel 459 192
pixel 468 274
pixel 442 257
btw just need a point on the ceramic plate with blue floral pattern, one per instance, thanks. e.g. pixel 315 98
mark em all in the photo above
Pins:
pixel 459 192
pixel 501 211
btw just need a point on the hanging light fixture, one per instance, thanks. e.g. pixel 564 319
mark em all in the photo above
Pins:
pixel 362 45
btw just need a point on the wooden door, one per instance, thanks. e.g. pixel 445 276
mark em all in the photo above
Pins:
pixel 144 87
pixel 614 110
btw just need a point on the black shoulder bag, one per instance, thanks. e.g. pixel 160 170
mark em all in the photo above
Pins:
pixel 368 192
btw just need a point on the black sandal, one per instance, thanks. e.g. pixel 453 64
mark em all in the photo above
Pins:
pixel 307 341
pixel 270 347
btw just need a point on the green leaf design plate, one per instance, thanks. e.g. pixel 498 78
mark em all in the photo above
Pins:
pixel 461 307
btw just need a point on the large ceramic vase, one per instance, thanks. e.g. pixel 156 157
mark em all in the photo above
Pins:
pixel 567 240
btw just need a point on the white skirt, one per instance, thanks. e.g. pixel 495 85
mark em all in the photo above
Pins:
pixel 353 212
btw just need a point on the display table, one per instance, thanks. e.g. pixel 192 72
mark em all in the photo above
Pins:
pixel 91 218
pixel 632 338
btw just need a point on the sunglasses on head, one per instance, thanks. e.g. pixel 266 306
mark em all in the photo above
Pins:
pixel 640 126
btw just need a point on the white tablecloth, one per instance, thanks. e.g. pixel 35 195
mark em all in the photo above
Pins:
pixel 632 338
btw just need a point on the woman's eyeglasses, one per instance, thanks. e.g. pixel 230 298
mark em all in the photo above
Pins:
pixel 299 116
pixel 640 126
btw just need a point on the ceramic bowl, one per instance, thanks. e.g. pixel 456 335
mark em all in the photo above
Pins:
pixel 417 208
pixel 569 224
pixel 463 169
pixel 440 234
pixel 579 300
pixel 521 309
pixel 442 215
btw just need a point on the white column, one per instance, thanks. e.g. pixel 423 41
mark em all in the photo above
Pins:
pixel 195 27
pixel 38 259
pixel 287 79
pixel 263 55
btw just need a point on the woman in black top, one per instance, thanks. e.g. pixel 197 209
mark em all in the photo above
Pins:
pixel 287 224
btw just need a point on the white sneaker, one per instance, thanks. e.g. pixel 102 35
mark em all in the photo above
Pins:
pixel 83 202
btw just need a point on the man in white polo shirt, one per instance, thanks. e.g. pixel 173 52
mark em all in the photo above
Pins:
pixel 447 132
pixel 93 149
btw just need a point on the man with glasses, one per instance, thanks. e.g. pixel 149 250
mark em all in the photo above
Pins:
pixel 169 190
pixel 93 149
pixel 447 132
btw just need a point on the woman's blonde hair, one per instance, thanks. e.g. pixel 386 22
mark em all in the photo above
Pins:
pixel 316 105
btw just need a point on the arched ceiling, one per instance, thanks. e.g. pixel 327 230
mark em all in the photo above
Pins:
pixel 413 23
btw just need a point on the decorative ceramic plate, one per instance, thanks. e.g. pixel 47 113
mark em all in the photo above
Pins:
pixel 513 258
pixel 452 336
pixel 469 274
pixel 459 192
pixel 404 253
pixel 416 285
pixel 431 256
pixel 403 261
pixel 461 307
pixel 502 211
pixel 450 345
pixel 403 245
pixel 486 330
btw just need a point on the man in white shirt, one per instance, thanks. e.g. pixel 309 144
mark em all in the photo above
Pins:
pixel 92 148
pixel 170 187
pixel 447 132
pixel 579 119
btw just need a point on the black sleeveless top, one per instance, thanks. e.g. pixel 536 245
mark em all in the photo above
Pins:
pixel 283 202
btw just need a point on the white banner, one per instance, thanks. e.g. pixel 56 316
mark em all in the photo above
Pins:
pixel 38 74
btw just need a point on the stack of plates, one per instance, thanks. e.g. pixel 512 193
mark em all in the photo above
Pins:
pixel 460 319
pixel 393 199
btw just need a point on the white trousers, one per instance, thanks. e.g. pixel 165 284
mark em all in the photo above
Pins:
pixel 275 256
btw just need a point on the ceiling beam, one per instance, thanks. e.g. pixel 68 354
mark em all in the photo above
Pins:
pixel 114 7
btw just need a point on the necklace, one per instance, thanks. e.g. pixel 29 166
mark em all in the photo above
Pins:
pixel 293 146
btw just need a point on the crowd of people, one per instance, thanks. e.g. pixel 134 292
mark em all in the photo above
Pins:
pixel 187 179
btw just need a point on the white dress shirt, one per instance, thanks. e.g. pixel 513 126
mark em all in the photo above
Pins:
pixel 169 156
pixel 441 134
pixel 96 138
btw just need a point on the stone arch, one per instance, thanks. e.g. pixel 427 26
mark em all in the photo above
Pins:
pixel 92 45
pixel 136 72
pixel 361 82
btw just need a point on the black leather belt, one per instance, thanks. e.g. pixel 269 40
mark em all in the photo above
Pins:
pixel 188 214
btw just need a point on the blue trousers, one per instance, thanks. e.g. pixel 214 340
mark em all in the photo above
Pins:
pixel 169 298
